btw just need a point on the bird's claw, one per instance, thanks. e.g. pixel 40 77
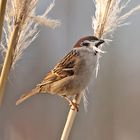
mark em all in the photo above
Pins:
pixel 74 106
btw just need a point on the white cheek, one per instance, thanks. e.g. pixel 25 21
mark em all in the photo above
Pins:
pixel 90 58
pixel 88 55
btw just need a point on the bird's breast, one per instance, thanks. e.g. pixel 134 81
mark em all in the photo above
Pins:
pixel 86 68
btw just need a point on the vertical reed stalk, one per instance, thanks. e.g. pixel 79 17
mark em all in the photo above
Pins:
pixel 2 13
pixel 72 113
pixel 100 29
pixel 106 20
pixel 70 119
pixel 8 61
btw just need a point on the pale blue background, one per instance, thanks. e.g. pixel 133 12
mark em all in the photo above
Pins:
pixel 114 98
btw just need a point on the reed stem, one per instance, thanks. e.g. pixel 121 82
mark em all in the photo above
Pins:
pixel 8 61
pixel 72 113
pixel 70 119
pixel 2 13
pixel 100 30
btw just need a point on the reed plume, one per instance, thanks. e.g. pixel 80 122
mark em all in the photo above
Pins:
pixel 20 30
pixel 106 20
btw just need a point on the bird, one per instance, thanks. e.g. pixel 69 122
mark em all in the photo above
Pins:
pixel 72 74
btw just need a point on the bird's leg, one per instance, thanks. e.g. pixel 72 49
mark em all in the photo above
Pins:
pixel 73 105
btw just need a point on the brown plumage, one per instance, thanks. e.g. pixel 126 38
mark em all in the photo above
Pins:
pixel 72 74
pixel 64 69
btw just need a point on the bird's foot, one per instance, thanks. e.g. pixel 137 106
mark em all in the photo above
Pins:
pixel 74 106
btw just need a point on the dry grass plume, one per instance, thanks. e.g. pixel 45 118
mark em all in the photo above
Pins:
pixel 20 30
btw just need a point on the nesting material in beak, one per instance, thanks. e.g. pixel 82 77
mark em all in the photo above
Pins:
pixel 97 50
pixel 96 44
pixel 99 42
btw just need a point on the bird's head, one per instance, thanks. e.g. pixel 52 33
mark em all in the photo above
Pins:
pixel 89 42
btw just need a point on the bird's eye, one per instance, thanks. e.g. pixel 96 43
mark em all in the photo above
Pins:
pixel 84 43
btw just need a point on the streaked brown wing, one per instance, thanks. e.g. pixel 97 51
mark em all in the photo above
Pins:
pixel 65 68
pixel 67 65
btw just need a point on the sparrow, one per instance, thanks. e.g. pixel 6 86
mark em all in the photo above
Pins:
pixel 72 74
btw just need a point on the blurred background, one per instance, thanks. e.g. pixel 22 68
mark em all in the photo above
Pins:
pixel 114 97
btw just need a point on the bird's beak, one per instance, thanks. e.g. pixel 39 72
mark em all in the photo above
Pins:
pixel 98 42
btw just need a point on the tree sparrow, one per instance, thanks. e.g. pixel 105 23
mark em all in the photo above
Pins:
pixel 72 74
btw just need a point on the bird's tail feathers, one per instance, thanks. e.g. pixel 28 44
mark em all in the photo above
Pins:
pixel 27 95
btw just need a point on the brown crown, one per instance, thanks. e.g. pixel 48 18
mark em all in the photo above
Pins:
pixel 90 38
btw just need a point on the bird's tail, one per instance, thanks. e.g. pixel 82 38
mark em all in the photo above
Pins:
pixel 27 95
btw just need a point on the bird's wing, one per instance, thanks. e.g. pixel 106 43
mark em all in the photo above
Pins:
pixel 66 67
